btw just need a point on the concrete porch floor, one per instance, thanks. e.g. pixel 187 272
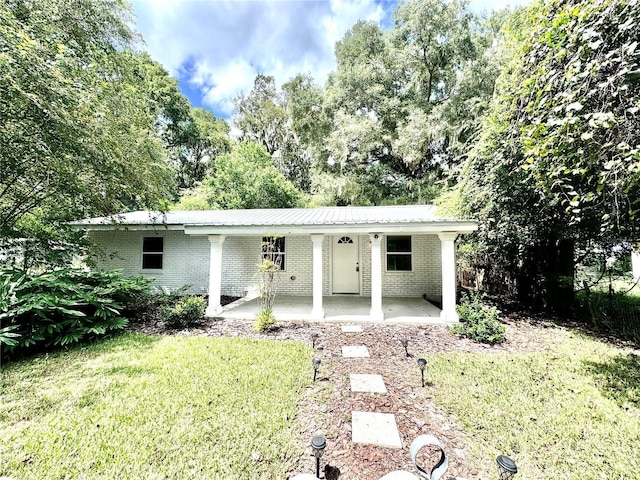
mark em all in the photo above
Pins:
pixel 342 308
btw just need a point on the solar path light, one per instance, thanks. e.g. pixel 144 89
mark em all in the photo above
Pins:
pixel 405 344
pixel 318 445
pixel 506 467
pixel 314 337
pixel 316 366
pixel 422 363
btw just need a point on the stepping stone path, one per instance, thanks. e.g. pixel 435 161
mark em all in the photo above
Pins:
pixel 369 427
pixel 375 428
pixel 355 351
pixel 367 383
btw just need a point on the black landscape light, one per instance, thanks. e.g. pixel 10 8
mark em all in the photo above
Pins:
pixel 316 366
pixel 314 337
pixel 422 363
pixel 318 445
pixel 506 467
pixel 405 344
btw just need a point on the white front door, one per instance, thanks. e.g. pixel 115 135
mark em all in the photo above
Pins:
pixel 346 269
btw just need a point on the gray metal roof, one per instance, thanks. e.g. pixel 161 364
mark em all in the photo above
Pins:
pixel 276 217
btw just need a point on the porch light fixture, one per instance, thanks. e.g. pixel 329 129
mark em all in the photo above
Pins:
pixel 405 344
pixel 316 366
pixel 422 363
pixel 314 337
pixel 318 444
pixel 506 467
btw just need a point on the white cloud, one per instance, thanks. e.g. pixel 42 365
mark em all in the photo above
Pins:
pixel 219 46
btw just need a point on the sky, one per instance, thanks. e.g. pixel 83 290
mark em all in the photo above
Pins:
pixel 215 48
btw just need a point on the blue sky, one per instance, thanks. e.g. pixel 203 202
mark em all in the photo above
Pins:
pixel 215 48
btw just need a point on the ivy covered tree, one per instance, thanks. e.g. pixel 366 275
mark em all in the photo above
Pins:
pixel 558 164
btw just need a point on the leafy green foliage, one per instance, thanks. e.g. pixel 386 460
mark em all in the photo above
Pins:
pixel 87 121
pixel 268 270
pixel 579 129
pixel 407 102
pixel 265 321
pixel 62 307
pixel 555 169
pixel 186 312
pixel 244 178
pixel 278 120
pixel 202 138
pixel 479 322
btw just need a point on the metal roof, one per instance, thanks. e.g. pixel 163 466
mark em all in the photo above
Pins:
pixel 290 217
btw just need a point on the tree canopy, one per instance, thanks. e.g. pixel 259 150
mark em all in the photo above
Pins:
pixel 77 135
pixel 243 178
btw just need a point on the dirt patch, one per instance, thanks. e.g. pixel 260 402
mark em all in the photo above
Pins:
pixel 326 405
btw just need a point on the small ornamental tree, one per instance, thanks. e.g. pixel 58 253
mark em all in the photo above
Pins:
pixel 272 263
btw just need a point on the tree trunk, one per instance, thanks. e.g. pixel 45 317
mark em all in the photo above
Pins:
pixel 546 276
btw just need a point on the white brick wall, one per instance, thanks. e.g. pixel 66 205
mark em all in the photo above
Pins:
pixel 186 261
pixel 425 276
pixel 241 256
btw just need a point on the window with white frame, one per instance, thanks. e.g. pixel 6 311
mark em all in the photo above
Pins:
pixel 399 253
pixel 273 248
pixel 152 253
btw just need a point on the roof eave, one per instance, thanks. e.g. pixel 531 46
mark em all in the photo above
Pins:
pixel 460 227
pixel 125 226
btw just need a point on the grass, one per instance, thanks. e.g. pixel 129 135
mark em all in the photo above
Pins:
pixel 139 407
pixel 569 413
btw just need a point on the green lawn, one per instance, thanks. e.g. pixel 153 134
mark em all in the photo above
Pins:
pixel 570 413
pixel 138 407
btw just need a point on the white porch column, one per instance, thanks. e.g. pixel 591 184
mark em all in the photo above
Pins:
pixel 447 247
pixel 376 313
pixel 215 275
pixel 317 312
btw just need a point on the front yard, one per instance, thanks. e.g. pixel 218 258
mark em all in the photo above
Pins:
pixel 147 407
pixel 205 405
pixel 570 412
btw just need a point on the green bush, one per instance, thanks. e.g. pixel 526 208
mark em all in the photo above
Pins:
pixel 478 321
pixel 187 311
pixel 62 307
pixel 265 321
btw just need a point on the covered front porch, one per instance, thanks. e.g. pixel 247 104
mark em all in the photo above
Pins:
pixel 339 308
pixel 322 274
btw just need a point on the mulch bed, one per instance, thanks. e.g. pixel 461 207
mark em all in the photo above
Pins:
pixel 326 405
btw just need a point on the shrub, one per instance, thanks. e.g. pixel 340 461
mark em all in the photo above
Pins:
pixel 62 307
pixel 478 321
pixel 265 321
pixel 187 311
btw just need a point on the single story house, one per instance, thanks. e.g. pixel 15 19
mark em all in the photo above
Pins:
pixel 370 252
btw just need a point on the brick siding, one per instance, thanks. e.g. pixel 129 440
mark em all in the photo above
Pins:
pixel 186 261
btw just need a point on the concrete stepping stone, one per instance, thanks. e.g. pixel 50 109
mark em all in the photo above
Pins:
pixel 355 351
pixel 367 383
pixel 373 428
pixel 351 329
